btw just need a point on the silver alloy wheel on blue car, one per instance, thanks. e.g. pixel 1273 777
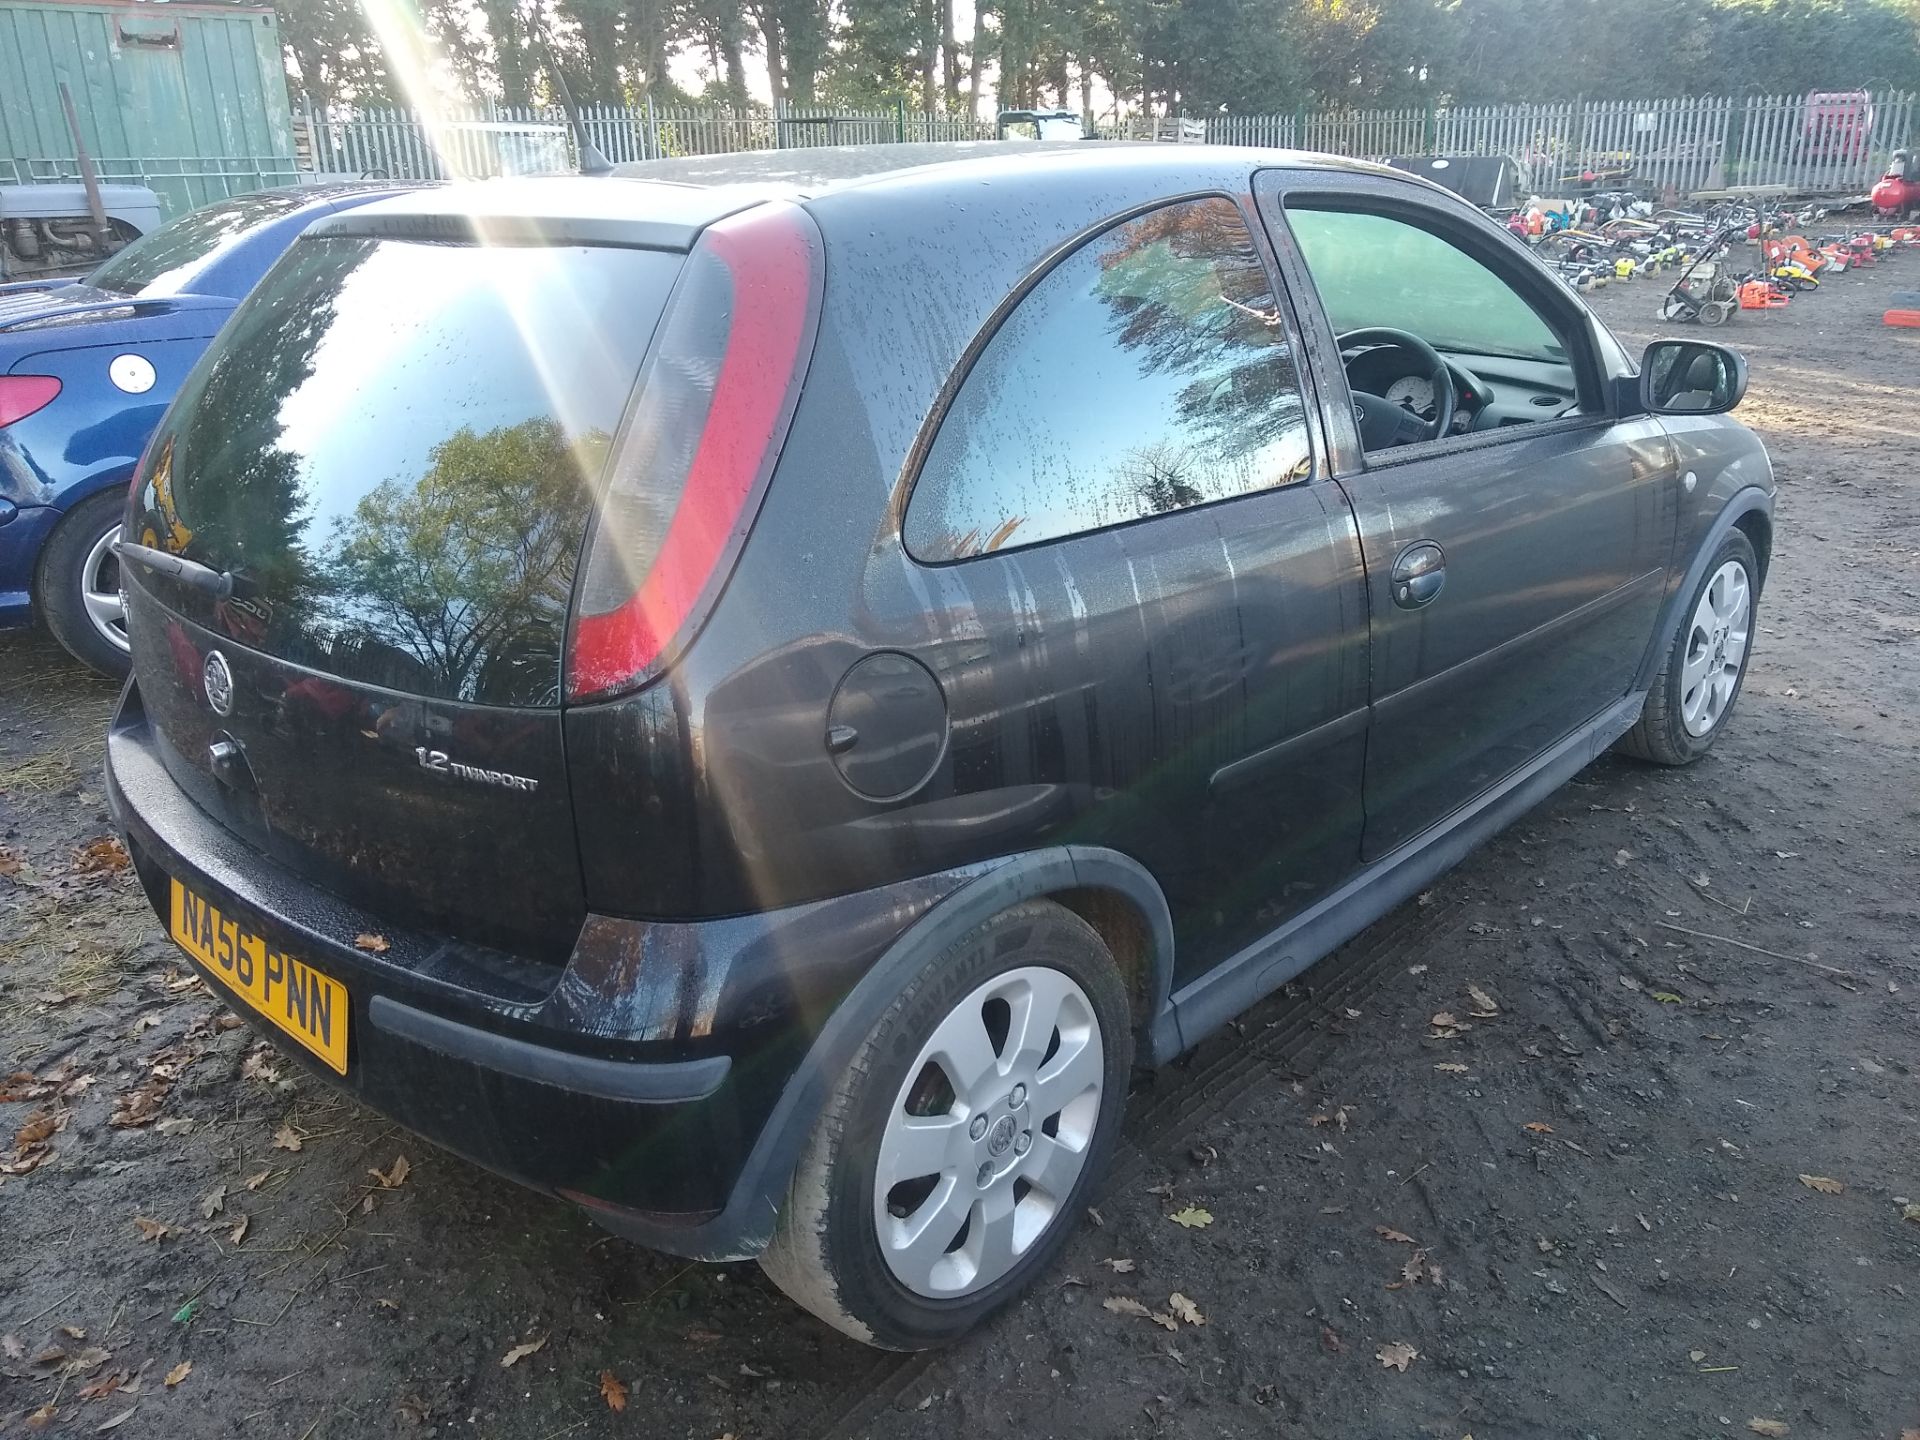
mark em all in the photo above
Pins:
pixel 100 591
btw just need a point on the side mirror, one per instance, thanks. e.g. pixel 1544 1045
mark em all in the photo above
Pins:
pixel 1691 377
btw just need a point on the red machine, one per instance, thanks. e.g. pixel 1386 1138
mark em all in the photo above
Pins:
pixel 1899 189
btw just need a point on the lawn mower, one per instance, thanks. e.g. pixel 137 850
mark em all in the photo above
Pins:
pixel 1703 295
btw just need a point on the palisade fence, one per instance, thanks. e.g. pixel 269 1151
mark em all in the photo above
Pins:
pixel 1678 146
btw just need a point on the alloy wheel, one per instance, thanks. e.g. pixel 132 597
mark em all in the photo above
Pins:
pixel 988 1133
pixel 1716 648
pixel 100 591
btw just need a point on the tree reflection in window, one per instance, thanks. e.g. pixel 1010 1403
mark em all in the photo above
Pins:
pixel 1149 371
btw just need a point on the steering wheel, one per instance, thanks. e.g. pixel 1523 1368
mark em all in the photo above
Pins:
pixel 1383 423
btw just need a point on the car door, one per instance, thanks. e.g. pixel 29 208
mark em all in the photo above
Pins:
pixel 1149 603
pixel 1514 569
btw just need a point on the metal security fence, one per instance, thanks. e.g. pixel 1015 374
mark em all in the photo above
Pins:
pixel 499 139
pixel 1836 142
pixel 1823 143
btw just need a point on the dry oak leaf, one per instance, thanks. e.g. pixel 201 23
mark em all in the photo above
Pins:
pixel 1911 1211
pixel 1127 1305
pixel 1387 1232
pixel 1396 1356
pixel 1484 1007
pixel 105 1385
pixel 1826 1185
pixel 394 1177
pixel 1767 1427
pixel 179 1373
pixel 612 1391
pixel 1193 1217
pixel 520 1352
pixel 40 1125
pixel 38 1419
pixel 213 1202
pixel 1118 1265
pixel 285 1138
pixel 372 944
pixel 151 1229
pixel 1185 1309
pixel 105 856
pixel 254 1182
pixel 1446 1024
pixel 12 1346
pixel 1537 1127
pixel 239 1231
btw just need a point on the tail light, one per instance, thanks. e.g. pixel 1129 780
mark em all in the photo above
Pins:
pixel 21 395
pixel 716 396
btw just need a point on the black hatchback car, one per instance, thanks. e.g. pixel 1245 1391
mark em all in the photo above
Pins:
pixel 748 695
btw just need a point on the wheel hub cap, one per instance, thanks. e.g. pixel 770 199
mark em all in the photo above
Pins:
pixel 989 1132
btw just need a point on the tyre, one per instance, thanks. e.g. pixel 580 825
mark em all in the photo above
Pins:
pixel 1715 312
pixel 78 584
pixel 1706 662
pixel 956 1152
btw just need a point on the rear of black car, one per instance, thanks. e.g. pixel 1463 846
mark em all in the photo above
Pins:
pixel 463 464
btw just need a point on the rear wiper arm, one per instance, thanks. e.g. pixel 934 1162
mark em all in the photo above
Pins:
pixel 191 573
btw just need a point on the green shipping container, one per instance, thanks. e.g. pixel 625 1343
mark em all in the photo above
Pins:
pixel 190 99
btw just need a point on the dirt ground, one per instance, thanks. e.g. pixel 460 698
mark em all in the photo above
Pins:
pixel 1587 1208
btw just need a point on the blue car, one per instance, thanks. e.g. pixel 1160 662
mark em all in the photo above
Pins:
pixel 87 368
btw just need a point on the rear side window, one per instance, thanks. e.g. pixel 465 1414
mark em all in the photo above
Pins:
pixel 396 446
pixel 167 261
pixel 1149 371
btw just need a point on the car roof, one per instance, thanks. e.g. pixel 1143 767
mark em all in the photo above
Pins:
pixel 682 195
pixel 813 170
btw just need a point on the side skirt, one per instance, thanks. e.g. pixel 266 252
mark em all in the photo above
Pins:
pixel 1197 1010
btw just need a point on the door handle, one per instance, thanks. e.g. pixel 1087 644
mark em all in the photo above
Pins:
pixel 1418 575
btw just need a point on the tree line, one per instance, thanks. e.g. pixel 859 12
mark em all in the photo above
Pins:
pixel 1101 57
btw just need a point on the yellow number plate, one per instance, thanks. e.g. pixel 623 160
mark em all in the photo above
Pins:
pixel 309 1006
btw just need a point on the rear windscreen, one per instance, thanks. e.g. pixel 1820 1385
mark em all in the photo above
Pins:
pixel 395 446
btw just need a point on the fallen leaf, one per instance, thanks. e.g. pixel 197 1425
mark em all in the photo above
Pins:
pixel 1193 1217
pixel 39 1418
pixel 285 1139
pixel 115 1423
pixel 259 1066
pixel 1127 1305
pixel 176 1125
pixel 87 1361
pixel 1185 1309
pixel 394 1177
pixel 1696 1356
pixel 1119 1266
pixel 103 1386
pixel 1623 857
pixel 1387 1232
pixel 1767 1427
pixel 1667 997
pixel 105 856
pixel 213 1202
pixel 40 1125
pixel 1396 1356
pixel 1450 1068
pixel 385 1304
pixel 1824 1184
pixel 239 1231
pixel 10 1343
pixel 1330 1339
pixel 254 1182
pixel 151 1229
pixel 52 1355
pixel 1911 1211
pixel 73 1332
pixel 1446 1025
pixel 1336 1117
pixel 1537 1127
pixel 612 1391
pixel 10 861
pixel 179 1373
pixel 372 944
pixel 1484 1007
pixel 520 1352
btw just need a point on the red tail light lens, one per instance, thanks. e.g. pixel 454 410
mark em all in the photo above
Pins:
pixel 716 396
pixel 21 395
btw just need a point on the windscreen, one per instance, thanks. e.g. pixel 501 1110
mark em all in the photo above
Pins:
pixel 395 446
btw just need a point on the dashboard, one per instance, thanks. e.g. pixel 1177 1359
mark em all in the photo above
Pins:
pixel 1490 390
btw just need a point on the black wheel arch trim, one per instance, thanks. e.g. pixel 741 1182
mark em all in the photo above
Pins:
pixel 1747 501
pixel 744 1227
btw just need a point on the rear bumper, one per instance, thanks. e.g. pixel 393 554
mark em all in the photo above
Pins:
pixel 21 538
pixel 638 1080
